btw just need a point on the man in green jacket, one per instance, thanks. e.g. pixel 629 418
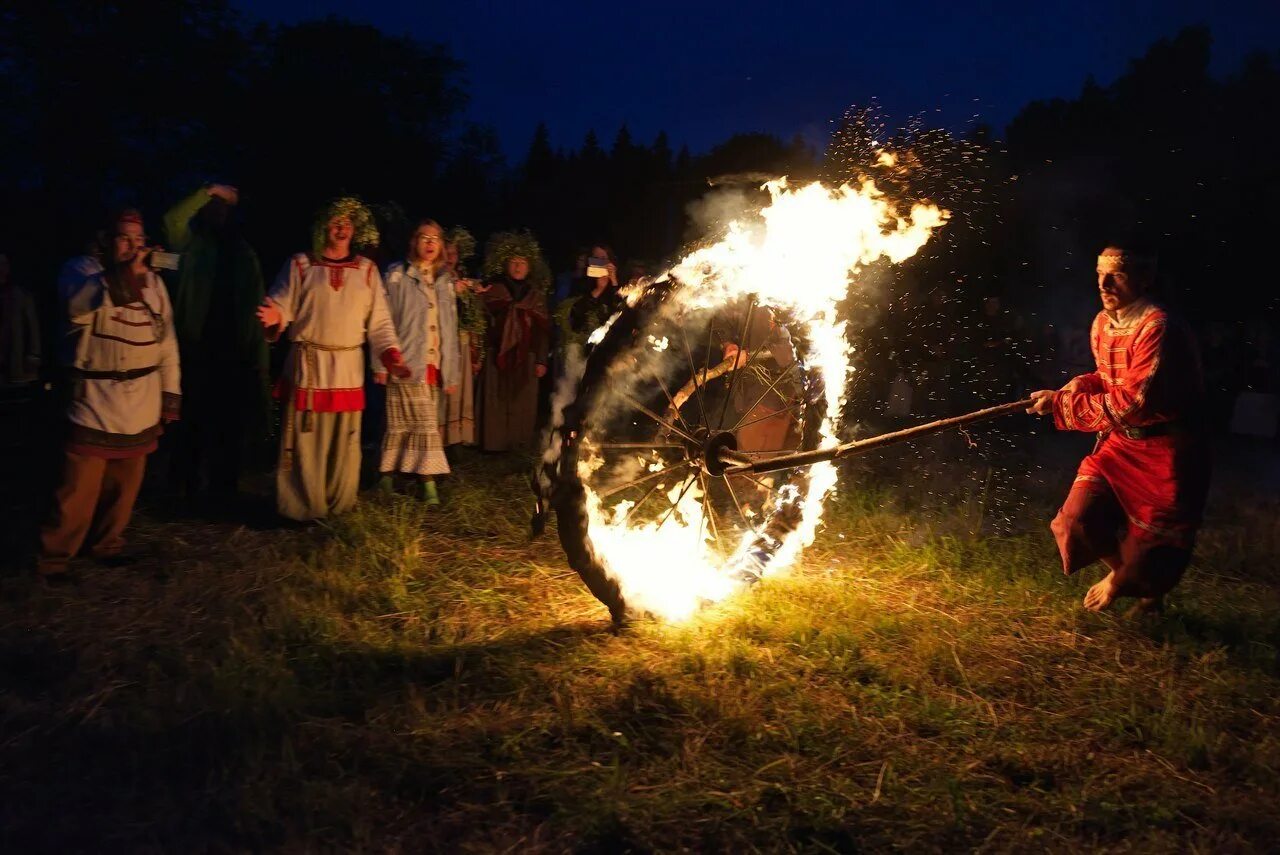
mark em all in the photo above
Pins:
pixel 219 286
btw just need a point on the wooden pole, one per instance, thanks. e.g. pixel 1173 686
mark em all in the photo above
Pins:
pixel 860 446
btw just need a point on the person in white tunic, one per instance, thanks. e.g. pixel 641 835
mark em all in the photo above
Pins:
pixel 126 383
pixel 420 297
pixel 330 301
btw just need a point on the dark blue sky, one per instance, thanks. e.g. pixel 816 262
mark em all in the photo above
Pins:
pixel 705 70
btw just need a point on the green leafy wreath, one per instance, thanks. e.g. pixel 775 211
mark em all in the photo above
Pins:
pixel 365 228
pixel 504 246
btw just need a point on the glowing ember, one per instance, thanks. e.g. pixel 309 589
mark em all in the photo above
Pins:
pixel 798 256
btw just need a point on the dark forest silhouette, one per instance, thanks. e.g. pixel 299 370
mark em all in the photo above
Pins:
pixel 137 103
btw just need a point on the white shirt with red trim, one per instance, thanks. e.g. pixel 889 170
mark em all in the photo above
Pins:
pixel 128 338
pixel 330 310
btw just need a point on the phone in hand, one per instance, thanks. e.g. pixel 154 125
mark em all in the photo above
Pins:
pixel 164 260
pixel 597 266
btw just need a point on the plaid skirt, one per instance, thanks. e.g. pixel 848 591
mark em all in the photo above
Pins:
pixel 412 443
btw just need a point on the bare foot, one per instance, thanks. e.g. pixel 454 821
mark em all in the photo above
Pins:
pixel 1101 595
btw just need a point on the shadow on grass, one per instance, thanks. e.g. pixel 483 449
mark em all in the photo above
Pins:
pixel 1249 640
pixel 143 769
pixel 343 680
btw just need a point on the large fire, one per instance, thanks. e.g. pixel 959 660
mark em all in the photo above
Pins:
pixel 800 254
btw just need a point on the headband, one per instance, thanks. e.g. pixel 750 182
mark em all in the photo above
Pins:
pixel 1115 263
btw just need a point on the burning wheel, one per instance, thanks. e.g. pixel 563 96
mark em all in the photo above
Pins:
pixel 671 393
pixel 690 450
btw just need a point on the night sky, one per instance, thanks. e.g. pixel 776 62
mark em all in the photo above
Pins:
pixel 705 70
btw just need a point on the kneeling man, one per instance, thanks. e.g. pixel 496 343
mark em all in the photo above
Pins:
pixel 1138 498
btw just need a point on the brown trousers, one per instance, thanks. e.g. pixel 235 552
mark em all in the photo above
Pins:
pixel 93 503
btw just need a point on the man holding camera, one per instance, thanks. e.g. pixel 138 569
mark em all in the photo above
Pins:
pixel 126 386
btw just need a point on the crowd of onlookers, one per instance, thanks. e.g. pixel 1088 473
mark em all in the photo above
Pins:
pixel 448 342
pixel 163 341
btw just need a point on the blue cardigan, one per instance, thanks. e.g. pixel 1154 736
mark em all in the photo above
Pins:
pixel 409 296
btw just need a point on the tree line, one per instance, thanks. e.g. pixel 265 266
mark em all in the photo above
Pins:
pixel 110 103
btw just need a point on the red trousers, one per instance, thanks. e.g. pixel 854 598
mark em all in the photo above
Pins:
pixel 1135 506
pixel 93 503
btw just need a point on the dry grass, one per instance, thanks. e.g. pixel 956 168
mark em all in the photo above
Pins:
pixel 407 680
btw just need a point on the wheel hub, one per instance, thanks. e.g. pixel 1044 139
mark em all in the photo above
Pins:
pixel 712 461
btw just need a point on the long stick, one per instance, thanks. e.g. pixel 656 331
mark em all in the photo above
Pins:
pixel 819 455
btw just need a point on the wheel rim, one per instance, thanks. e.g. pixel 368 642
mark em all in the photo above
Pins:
pixel 734 526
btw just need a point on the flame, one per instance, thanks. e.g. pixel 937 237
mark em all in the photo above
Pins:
pixel 798 255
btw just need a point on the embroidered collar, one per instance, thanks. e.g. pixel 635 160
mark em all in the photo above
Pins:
pixel 1123 319
pixel 352 260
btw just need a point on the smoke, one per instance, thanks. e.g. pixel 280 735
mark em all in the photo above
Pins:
pixel 711 215
pixel 566 391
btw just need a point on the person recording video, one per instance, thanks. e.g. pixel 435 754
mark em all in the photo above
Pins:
pixel 127 385
pixel 595 293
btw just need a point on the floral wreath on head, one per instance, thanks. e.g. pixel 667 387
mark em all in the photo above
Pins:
pixel 503 246
pixel 365 229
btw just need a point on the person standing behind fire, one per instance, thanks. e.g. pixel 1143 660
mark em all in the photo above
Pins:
pixel 458 413
pixel 1138 498
pixel 593 299
pixel 421 300
pixel 126 386
pixel 332 302
pixel 514 296
pixel 224 356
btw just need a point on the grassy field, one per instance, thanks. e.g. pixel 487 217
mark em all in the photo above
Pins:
pixel 405 680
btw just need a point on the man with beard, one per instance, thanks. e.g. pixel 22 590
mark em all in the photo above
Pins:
pixel 224 356
pixel 1138 498
pixel 332 303
pixel 126 385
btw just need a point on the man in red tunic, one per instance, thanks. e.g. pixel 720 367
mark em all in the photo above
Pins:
pixel 1138 498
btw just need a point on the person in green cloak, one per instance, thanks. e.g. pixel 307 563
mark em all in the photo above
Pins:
pixel 219 286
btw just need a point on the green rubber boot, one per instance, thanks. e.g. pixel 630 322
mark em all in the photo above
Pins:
pixel 429 494
pixel 387 484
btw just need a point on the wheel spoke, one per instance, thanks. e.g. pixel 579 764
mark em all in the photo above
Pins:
pixel 745 519
pixel 703 521
pixel 647 494
pixel 765 393
pixel 742 345
pixel 672 402
pixel 676 503
pixel 638 446
pixel 706 365
pixel 618 488
pixel 693 372
pixel 708 511
pixel 657 418
pixel 757 482
pixel 772 415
